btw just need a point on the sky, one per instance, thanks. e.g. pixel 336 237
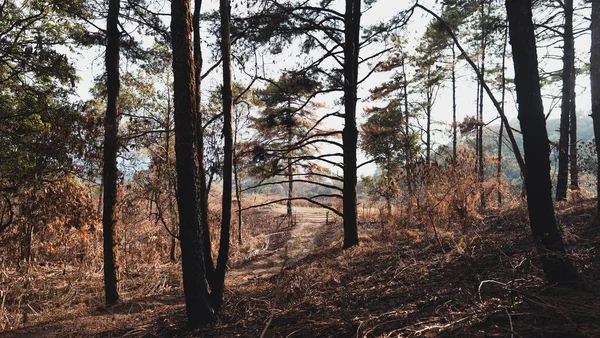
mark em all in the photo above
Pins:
pixel 91 63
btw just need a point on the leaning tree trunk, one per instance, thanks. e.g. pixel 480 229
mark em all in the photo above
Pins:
pixel 350 132
pixel 595 89
pixel 111 146
pixel 555 263
pixel 198 309
pixel 565 110
pixel 226 91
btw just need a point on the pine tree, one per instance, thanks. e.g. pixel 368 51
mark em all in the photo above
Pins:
pixel 111 146
pixel 557 266
pixel 199 311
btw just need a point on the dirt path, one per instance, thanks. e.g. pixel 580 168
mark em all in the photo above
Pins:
pixel 300 244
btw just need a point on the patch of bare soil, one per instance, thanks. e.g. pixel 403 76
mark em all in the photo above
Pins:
pixel 485 282
pixel 300 235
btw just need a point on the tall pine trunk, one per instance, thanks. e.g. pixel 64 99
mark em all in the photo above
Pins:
pixel 290 175
pixel 198 309
pixel 480 167
pixel 226 91
pixel 409 159
pixel 350 132
pixel 501 131
pixel 290 170
pixel 555 263
pixel 574 169
pixel 202 189
pixel 111 147
pixel 595 89
pixel 454 123
pixel 238 199
pixel 428 127
pixel 565 110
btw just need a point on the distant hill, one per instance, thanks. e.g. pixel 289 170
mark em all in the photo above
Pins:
pixel 585 133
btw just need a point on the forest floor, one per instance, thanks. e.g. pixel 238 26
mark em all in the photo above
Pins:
pixel 483 281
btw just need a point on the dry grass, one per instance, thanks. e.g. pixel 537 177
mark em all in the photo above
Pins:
pixel 483 280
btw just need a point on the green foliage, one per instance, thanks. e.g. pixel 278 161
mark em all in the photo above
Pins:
pixel 385 138
pixel 286 127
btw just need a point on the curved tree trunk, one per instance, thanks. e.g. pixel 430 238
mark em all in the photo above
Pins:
pixel 111 147
pixel 195 289
pixel 557 266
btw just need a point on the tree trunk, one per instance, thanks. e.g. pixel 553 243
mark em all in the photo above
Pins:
pixel 290 174
pixel 565 110
pixel 555 263
pixel 238 199
pixel 224 9
pixel 202 190
pixel 409 183
pixel 428 132
pixel 100 194
pixel 595 89
pixel 573 136
pixel 290 170
pixel 480 171
pixel 236 179
pixel 454 124
pixel 111 147
pixel 350 132
pixel 172 250
pixel 501 131
pixel 198 310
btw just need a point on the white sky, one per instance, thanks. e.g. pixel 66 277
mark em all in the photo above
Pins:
pixel 91 63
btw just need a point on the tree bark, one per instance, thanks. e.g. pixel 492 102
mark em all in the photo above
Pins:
pixel 409 155
pixel 480 157
pixel 595 89
pixel 480 173
pixel 565 111
pixel 290 174
pixel 501 131
pixel 555 263
pixel 574 170
pixel 224 9
pixel 238 199
pixel 428 128
pixel 111 147
pixel 290 170
pixel 350 132
pixel 173 249
pixel 202 189
pixel 198 310
pixel 454 124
